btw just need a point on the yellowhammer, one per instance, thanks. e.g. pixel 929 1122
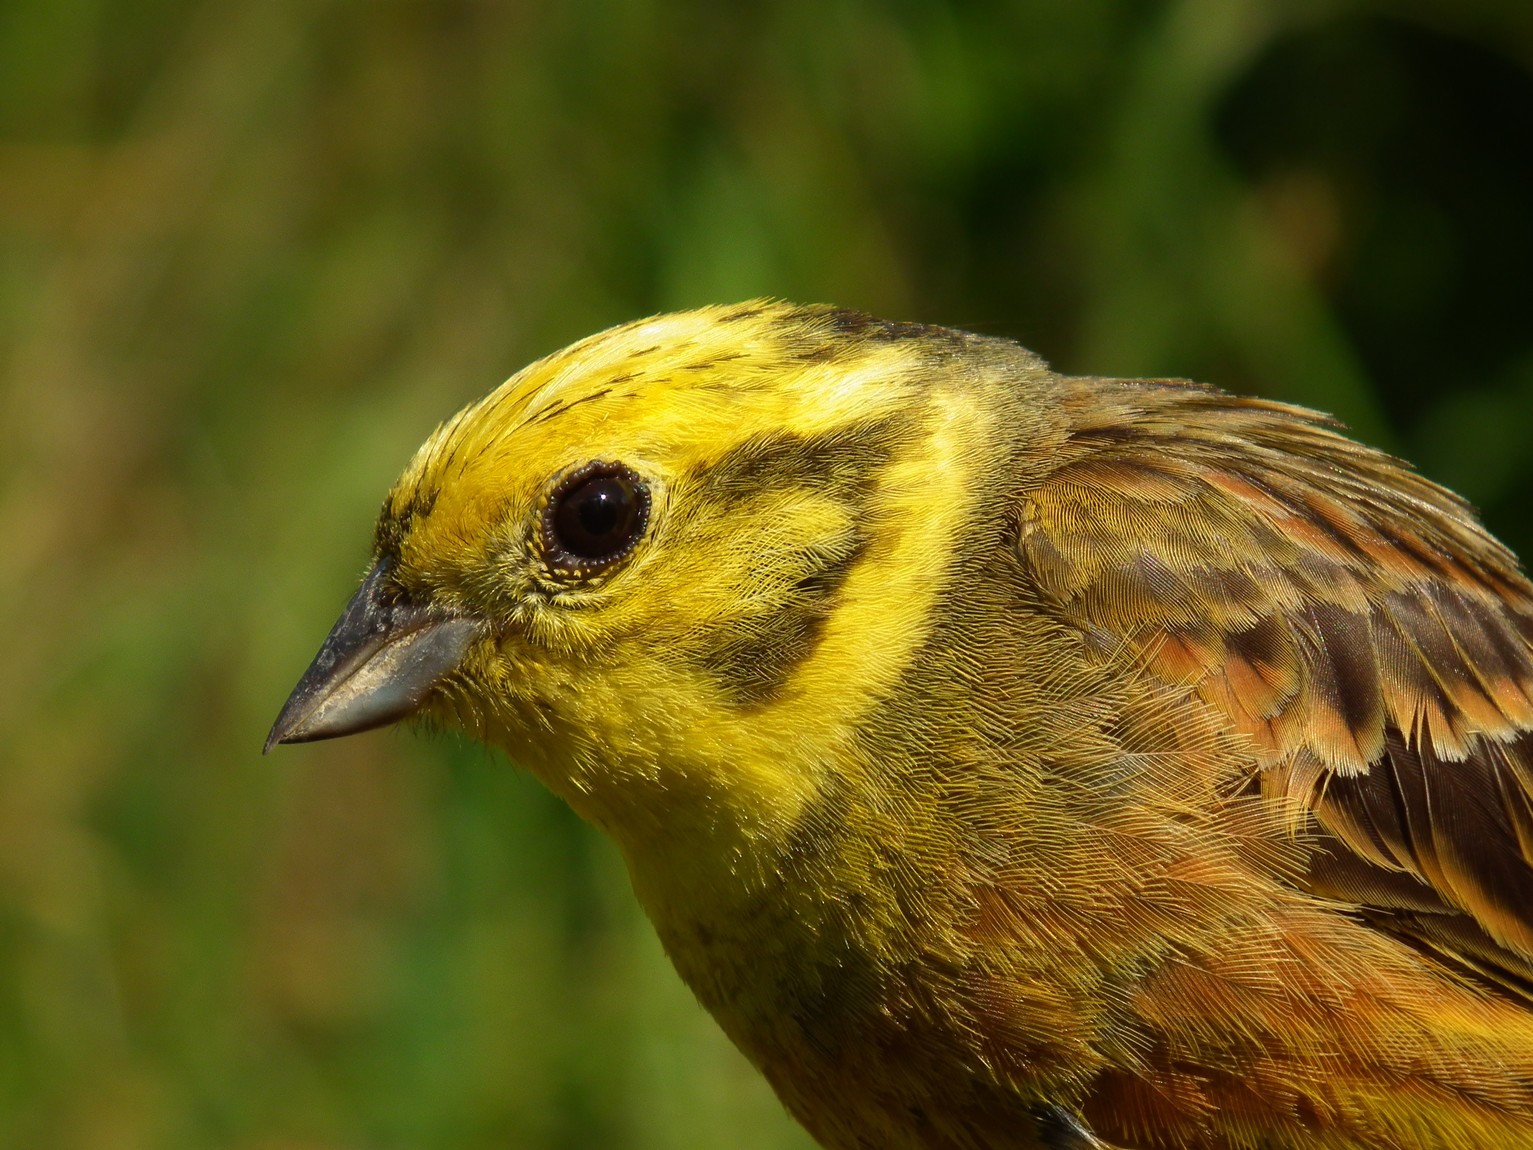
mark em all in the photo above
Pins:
pixel 1006 759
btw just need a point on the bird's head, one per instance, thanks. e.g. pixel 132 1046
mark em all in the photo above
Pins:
pixel 671 567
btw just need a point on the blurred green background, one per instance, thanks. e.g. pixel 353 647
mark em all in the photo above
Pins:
pixel 251 251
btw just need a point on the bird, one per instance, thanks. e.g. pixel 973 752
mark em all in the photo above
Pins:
pixel 1004 758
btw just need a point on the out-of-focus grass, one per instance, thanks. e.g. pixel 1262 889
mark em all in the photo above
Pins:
pixel 251 251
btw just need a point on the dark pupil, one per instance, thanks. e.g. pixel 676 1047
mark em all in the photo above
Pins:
pixel 597 517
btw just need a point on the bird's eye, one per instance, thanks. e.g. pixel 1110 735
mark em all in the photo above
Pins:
pixel 594 517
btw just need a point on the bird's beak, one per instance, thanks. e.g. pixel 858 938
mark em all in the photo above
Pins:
pixel 375 666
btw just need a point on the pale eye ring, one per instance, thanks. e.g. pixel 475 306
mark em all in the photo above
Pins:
pixel 594 517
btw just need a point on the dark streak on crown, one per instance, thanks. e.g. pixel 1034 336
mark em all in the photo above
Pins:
pixel 560 406
pixel 848 321
pixel 829 332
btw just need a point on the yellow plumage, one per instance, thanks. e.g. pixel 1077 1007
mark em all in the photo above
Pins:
pixel 1005 759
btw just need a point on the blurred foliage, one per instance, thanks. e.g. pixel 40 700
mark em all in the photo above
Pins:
pixel 250 252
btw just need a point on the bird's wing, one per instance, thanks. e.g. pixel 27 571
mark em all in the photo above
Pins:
pixel 1350 617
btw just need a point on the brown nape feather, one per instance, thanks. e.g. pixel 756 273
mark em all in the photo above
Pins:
pixel 1349 616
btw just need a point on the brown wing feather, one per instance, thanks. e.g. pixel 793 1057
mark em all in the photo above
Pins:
pixel 1348 615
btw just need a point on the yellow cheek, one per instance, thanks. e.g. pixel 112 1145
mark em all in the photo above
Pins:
pixel 649 727
pixel 925 500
